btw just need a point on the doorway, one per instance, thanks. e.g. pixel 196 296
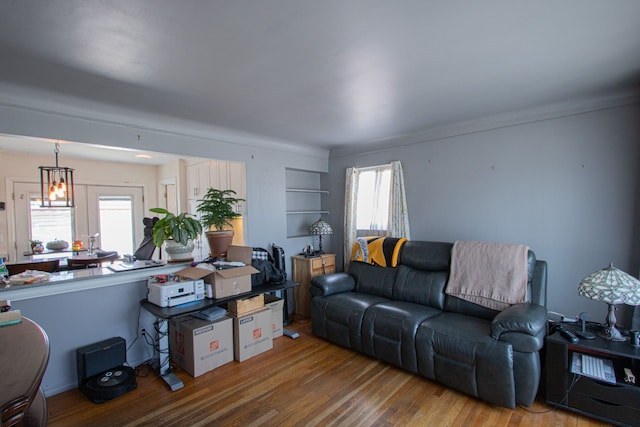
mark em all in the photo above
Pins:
pixel 114 213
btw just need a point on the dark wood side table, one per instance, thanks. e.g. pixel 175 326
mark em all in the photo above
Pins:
pixel 303 269
pixel 614 403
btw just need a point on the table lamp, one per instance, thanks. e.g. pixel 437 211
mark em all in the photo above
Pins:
pixel 612 286
pixel 320 228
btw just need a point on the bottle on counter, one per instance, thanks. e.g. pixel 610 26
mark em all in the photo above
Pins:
pixel 4 272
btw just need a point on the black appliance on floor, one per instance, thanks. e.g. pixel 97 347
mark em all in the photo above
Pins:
pixel 102 375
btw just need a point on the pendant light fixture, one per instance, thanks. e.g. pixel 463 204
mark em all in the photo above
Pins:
pixel 56 185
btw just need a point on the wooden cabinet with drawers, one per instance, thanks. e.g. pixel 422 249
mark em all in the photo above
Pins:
pixel 303 269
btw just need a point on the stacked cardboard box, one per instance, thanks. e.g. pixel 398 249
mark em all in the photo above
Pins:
pixel 252 334
pixel 198 345
pixel 277 309
pixel 225 282
pixel 242 306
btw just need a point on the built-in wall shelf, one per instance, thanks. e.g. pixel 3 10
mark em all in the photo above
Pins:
pixel 306 190
pixel 305 200
pixel 307 212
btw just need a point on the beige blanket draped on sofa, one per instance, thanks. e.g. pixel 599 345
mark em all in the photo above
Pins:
pixel 493 275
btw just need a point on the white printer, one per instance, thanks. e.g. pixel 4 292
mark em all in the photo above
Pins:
pixel 169 293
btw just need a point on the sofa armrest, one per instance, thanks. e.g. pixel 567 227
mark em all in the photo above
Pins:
pixel 522 325
pixel 328 284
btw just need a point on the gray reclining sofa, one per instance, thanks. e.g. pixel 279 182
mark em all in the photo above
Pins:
pixel 402 315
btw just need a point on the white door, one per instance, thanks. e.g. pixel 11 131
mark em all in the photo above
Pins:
pixel 115 213
pixel 37 223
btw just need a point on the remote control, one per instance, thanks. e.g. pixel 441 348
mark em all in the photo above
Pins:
pixel 569 335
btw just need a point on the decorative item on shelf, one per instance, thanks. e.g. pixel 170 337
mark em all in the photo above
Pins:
pixel 613 286
pixel 320 228
pixel 92 243
pixel 177 232
pixel 56 185
pixel 57 245
pixel 77 245
pixel 36 246
pixel 218 209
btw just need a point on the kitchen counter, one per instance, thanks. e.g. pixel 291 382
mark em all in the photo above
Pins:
pixel 80 307
pixel 79 280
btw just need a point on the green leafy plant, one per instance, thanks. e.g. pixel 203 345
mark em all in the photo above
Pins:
pixel 181 228
pixel 217 208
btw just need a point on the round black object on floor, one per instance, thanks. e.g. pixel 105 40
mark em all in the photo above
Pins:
pixel 110 384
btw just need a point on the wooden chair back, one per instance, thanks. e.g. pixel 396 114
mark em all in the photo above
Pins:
pixel 24 355
pixel 49 266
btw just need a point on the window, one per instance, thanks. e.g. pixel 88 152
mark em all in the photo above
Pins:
pixel 49 224
pixel 372 206
pixel 375 204
pixel 116 223
pixel 115 213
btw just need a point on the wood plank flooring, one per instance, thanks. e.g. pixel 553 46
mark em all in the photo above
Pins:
pixel 302 382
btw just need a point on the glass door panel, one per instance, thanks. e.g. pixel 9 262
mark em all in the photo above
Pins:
pixel 116 213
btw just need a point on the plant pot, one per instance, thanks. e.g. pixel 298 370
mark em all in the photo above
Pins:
pixel 178 251
pixel 219 242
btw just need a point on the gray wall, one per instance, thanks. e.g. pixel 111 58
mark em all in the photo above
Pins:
pixel 266 159
pixel 566 186
pixel 81 318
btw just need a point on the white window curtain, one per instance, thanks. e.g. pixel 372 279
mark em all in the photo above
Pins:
pixel 350 214
pixel 398 213
pixel 398 217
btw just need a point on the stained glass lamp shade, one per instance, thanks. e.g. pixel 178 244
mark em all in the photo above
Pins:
pixel 320 228
pixel 613 286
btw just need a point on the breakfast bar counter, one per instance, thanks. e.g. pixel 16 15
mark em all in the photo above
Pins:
pixel 81 307
pixel 84 279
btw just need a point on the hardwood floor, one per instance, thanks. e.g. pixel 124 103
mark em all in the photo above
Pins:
pixel 302 382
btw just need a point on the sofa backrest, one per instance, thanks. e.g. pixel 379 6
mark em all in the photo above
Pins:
pixel 373 279
pixel 423 273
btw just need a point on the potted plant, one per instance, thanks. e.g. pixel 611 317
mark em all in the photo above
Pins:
pixel 216 209
pixel 177 232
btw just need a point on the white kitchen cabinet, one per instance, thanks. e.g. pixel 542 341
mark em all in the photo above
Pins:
pixel 219 174
pixel 198 180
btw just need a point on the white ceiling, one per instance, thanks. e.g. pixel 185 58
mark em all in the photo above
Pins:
pixel 44 146
pixel 323 73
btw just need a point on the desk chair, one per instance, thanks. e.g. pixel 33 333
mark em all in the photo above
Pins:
pixel 147 247
pixel 24 356
pixel 50 266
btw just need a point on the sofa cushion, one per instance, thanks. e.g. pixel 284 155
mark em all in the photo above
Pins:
pixel 389 332
pixel 430 256
pixel 420 287
pixel 372 279
pixel 458 351
pixel 457 305
pixel 338 317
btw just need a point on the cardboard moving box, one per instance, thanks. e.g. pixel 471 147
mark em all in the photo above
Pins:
pixel 252 334
pixel 243 306
pixel 226 282
pixel 240 253
pixel 277 312
pixel 199 346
